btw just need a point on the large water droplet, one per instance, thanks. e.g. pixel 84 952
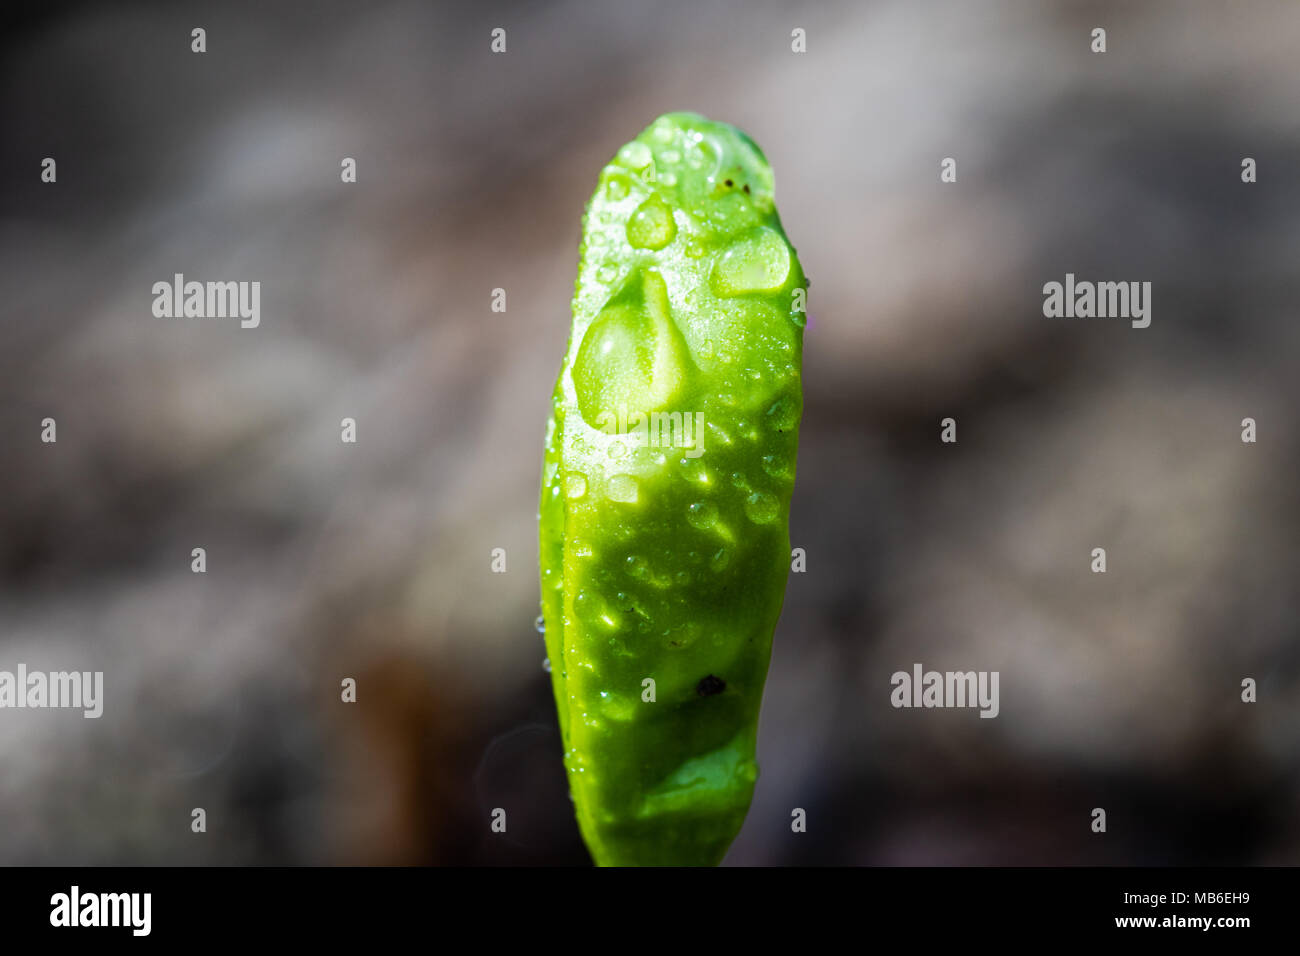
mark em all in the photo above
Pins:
pixel 635 155
pixel 575 485
pixel 783 414
pixel 761 508
pixel 540 624
pixel 758 263
pixel 632 356
pixel 586 605
pixel 774 465
pixel 622 488
pixel 702 515
pixel 652 225
pixel 694 470
pixel 617 187
pixel 617 706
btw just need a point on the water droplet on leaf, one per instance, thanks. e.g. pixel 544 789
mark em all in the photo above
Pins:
pixel 702 515
pixel 575 485
pixel 622 488
pixel 761 508
pixel 652 225
pixel 758 263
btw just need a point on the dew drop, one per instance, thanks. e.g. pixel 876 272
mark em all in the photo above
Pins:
pixel 635 155
pixel 694 249
pixel 783 414
pixel 575 485
pixel 616 188
pixel 622 488
pixel 546 664
pixel 617 707
pixel 702 515
pixel 637 567
pixel 758 263
pixel 617 449
pixel 720 559
pixel 632 354
pixel 652 225
pixel 540 624
pixel 693 470
pixel 761 508
pixel 607 273
pixel 774 465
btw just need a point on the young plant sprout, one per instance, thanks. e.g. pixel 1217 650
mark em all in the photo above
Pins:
pixel 670 459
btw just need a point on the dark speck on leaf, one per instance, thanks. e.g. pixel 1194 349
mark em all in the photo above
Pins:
pixel 746 189
pixel 729 183
pixel 711 685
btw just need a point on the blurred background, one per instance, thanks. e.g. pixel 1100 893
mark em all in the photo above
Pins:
pixel 372 561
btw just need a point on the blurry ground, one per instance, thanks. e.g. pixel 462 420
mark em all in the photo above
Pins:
pixel 327 560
